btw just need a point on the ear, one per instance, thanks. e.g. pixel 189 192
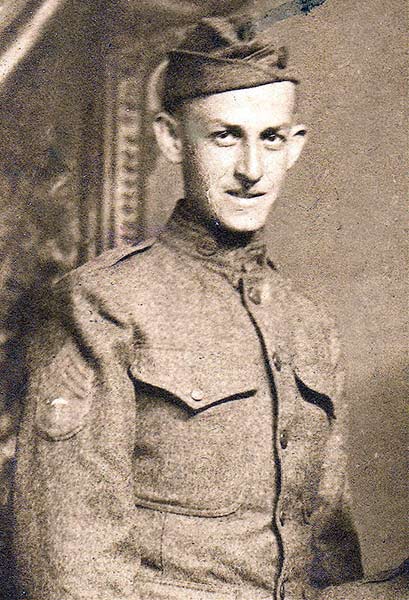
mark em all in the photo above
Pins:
pixel 167 133
pixel 296 141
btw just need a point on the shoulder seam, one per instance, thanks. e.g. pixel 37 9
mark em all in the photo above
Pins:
pixel 100 262
pixel 141 247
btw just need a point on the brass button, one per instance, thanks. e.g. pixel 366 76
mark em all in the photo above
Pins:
pixel 255 295
pixel 261 260
pixel 284 439
pixel 306 514
pixel 282 589
pixel 207 246
pixel 282 518
pixel 277 361
pixel 197 394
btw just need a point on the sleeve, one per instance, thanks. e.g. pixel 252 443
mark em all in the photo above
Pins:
pixel 396 588
pixel 75 536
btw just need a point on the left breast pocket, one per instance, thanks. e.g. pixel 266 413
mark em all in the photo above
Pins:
pixel 193 413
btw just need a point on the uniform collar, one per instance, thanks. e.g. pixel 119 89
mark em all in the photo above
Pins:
pixel 228 254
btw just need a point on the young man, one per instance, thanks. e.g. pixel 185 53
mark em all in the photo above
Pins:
pixel 182 437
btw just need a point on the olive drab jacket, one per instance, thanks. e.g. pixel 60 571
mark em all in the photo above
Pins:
pixel 183 432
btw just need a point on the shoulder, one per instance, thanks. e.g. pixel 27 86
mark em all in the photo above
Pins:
pixel 106 274
pixel 311 333
pixel 94 287
pixel 107 260
pixel 300 308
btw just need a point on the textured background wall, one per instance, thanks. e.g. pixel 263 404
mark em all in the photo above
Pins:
pixel 49 169
pixel 339 230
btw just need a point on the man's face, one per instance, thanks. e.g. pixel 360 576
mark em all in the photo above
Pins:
pixel 236 148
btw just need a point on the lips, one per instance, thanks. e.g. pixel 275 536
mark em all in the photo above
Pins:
pixel 242 194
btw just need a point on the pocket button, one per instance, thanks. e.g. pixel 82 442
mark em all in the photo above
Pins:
pixel 277 361
pixel 284 439
pixel 197 394
pixel 282 518
pixel 255 295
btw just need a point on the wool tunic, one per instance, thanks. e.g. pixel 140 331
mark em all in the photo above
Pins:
pixel 183 431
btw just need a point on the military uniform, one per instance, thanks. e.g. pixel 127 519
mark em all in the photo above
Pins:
pixel 182 437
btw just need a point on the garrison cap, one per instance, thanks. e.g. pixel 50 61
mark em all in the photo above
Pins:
pixel 219 55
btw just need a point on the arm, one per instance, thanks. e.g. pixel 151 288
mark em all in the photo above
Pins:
pixel 73 489
pixel 396 588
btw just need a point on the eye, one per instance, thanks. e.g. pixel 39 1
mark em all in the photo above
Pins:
pixel 225 137
pixel 273 139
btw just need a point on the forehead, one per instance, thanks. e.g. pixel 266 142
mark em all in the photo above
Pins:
pixel 263 106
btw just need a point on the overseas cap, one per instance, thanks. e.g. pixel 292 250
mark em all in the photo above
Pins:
pixel 220 55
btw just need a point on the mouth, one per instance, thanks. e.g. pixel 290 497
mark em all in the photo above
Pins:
pixel 243 195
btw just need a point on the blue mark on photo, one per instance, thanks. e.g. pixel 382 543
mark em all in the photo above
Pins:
pixel 286 10
pixel 305 6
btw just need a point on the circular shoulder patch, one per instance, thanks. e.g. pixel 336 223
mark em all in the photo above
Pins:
pixel 61 418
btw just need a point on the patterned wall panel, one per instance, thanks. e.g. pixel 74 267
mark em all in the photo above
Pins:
pixel 122 212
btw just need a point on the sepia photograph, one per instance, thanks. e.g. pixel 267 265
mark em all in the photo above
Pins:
pixel 204 300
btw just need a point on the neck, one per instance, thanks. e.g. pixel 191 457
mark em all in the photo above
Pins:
pixel 219 250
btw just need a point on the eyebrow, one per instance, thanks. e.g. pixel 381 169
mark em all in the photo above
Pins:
pixel 239 128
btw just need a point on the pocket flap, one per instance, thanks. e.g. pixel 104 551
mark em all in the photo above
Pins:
pixel 199 380
pixel 319 399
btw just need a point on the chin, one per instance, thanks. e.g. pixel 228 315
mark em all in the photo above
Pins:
pixel 244 224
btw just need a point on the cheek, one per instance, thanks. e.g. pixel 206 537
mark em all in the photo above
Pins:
pixel 214 164
pixel 275 168
pixel 196 173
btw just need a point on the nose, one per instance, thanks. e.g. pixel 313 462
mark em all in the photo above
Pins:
pixel 249 168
